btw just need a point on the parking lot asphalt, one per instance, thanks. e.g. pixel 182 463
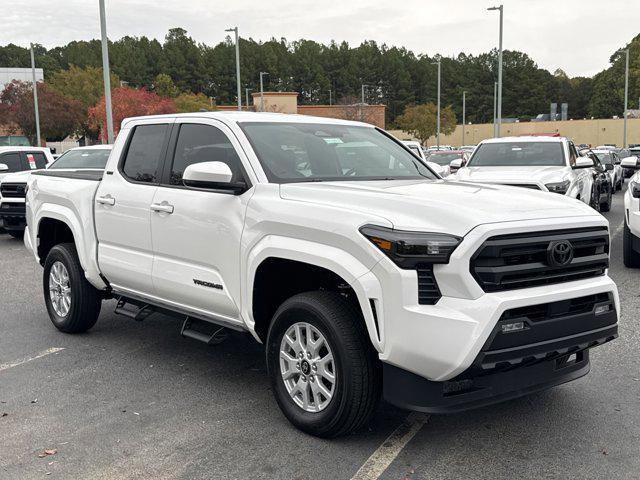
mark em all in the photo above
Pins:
pixel 136 400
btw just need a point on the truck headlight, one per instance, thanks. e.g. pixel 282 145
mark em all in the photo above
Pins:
pixel 558 187
pixel 408 249
pixel 634 188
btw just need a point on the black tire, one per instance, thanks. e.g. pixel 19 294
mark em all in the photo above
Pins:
pixel 606 206
pixel 358 373
pixel 86 300
pixel 17 234
pixel 630 257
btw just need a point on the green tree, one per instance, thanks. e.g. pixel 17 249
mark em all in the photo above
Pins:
pixel 182 60
pixel 83 84
pixel 163 85
pixel 192 102
pixel 420 121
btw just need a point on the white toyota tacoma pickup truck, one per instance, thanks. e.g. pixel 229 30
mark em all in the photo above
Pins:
pixel 550 164
pixel 631 233
pixel 360 270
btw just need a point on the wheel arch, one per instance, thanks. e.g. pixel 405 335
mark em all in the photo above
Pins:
pixel 276 257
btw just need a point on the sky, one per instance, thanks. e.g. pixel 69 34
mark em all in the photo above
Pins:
pixel 577 36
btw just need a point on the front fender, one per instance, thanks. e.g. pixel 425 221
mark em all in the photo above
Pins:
pixel 356 274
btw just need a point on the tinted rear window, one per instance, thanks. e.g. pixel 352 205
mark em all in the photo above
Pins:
pixel 11 160
pixel 82 158
pixel 511 154
pixel 142 163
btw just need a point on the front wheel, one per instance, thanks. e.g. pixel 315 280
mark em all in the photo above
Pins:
pixel 323 369
pixel 72 302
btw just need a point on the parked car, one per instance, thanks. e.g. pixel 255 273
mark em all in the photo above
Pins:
pixel 468 148
pixel 359 269
pixel 631 232
pixel 13 186
pixel 603 184
pixel 17 159
pixel 634 151
pixel 609 157
pixel 546 163
pixel 444 158
pixel 416 148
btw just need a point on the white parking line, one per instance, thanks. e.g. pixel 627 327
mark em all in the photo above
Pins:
pixel 44 353
pixel 386 453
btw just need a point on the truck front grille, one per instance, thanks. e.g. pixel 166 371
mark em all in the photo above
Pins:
pixel 13 190
pixel 508 262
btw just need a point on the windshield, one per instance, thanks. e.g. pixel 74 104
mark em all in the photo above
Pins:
pixel 444 158
pixel 299 152
pixel 513 154
pixel 82 158
pixel 604 158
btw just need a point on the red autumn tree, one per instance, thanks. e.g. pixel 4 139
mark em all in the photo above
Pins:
pixel 59 115
pixel 128 102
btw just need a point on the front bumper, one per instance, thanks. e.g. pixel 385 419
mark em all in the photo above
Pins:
pixel 13 215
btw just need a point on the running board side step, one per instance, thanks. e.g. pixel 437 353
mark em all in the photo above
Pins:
pixel 206 332
pixel 138 311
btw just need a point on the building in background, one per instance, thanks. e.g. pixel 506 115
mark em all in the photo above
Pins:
pixel 8 75
pixel 287 102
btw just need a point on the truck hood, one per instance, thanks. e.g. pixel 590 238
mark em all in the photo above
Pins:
pixel 437 206
pixel 533 174
pixel 17 177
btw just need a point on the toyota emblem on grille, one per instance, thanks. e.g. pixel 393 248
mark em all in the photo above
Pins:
pixel 559 253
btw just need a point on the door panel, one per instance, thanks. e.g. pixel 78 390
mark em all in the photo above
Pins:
pixel 197 246
pixel 122 210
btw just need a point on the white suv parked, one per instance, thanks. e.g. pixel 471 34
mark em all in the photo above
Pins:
pixel 360 270
pixel 631 239
pixel 549 164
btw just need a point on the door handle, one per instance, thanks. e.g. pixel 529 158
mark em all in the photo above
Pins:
pixel 106 200
pixel 163 207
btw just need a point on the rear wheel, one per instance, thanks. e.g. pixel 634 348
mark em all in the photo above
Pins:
pixel 323 370
pixel 606 205
pixel 72 302
pixel 630 257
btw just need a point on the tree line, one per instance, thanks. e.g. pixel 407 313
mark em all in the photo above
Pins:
pixel 394 76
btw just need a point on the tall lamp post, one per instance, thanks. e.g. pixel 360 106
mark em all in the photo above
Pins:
pixel 495 98
pixel 438 114
pixel 105 73
pixel 362 87
pixel 499 99
pixel 464 106
pixel 626 97
pixel 35 96
pixel 235 30
pixel 262 91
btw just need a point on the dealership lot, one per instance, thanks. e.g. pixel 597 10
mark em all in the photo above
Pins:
pixel 135 399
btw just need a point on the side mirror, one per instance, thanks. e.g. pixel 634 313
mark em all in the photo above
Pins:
pixel 631 162
pixel 583 162
pixel 212 175
pixel 3 167
pixel 608 166
pixel 457 163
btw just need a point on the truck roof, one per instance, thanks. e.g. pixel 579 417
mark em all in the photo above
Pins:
pixel 23 149
pixel 524 138
pixel 241 117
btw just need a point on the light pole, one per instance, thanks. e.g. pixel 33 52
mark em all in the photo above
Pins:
pixel 262 91
pixel 362 87
pixel 235 30
pixel 626 97
pixel 246 95
pixel 464 105
pixel 35 96
pixel 105 73
pixel 330 103
pixel 499 99
pixel 438 114
pixel 495 98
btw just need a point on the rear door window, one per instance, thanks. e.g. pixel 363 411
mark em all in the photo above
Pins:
pixel 13 161
pixel 144 154
pixel 36 160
